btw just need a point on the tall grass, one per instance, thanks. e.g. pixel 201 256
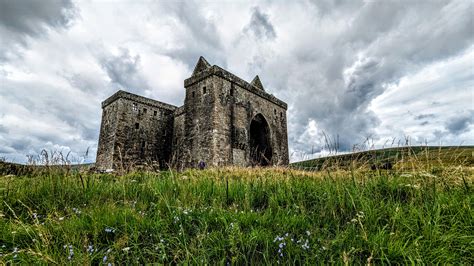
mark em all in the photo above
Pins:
pixel 233 215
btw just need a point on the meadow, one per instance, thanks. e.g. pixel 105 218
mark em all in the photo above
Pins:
pixel 420 211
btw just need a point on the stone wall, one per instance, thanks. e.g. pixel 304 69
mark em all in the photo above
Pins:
pixel 108 128
pixel 143 132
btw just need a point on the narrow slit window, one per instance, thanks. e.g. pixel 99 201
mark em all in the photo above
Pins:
pixel 204 90
pixel 137 125
pixel 193 94
pixel 155 113
pixel 144 110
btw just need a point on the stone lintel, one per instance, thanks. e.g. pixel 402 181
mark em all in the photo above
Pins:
pixel 220 72
pixel 139 99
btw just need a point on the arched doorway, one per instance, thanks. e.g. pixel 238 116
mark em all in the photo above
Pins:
pixel 260 146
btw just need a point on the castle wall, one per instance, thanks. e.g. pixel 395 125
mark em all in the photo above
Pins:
pixel 143 130
pixel 198 126
pixel 246 106
pixel 178 145
pixel 108 128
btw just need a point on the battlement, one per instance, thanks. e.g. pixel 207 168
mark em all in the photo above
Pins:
pixel 139 99
pixel 220 72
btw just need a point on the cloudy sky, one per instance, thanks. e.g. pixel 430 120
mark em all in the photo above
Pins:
pixel 352 72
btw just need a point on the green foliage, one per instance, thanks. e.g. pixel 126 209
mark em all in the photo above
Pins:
pixel 239 216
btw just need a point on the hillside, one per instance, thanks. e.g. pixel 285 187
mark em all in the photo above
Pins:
pixel 401 158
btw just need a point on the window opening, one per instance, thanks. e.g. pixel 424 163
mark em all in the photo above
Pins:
pixel 204 90
pixel 155 113
pixel 144 110
pixel 135 107
pixel 137 125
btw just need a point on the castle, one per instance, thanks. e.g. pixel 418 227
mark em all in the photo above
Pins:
pixel 224 121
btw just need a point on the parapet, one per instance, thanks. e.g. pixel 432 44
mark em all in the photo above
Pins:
pixel 220 72
pixel 139 99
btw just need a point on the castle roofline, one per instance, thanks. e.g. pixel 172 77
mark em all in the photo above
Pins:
pixel 220 72
pixel 137 98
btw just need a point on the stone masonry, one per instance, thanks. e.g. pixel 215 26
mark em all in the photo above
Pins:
pixel 224 121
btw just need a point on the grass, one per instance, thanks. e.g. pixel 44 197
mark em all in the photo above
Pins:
pixel 403 158
pixel 239 216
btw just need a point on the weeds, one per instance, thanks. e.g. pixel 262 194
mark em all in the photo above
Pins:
pixel 233 215
pixel 420 211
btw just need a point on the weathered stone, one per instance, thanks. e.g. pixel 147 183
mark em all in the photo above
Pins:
pixel 224 121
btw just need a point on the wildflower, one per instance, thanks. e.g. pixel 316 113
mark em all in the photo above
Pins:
pixel 90 249
pixel 61 218
pixel 35 216
pixel 305 246
pixel 71 251
pixel 126 249
pixel 109 230
pixel 278 238
pixel 104 259
pixel 308 233
pixel 76 211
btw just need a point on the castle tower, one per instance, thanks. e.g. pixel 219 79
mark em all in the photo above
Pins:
pixel 227 121
pixel 134 131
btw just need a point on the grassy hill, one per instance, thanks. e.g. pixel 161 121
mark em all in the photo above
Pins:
pixel 401 158
pixel 417 214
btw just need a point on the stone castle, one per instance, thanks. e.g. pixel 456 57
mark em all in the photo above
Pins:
pixel 224 121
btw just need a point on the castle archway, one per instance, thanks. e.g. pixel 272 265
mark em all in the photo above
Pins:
pixel 260 145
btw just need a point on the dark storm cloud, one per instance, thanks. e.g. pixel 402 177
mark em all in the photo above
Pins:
pixel 124 71
pixel 260 25
pixel 424 116
pixel 37 119
pixel 3 129
pixel 22 19
pixel 461 123
pixel 199 36
pixel 338 79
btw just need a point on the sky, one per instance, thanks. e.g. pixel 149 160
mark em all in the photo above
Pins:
pixel 355 74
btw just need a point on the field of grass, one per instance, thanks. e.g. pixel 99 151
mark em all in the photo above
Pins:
pixel 239 216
